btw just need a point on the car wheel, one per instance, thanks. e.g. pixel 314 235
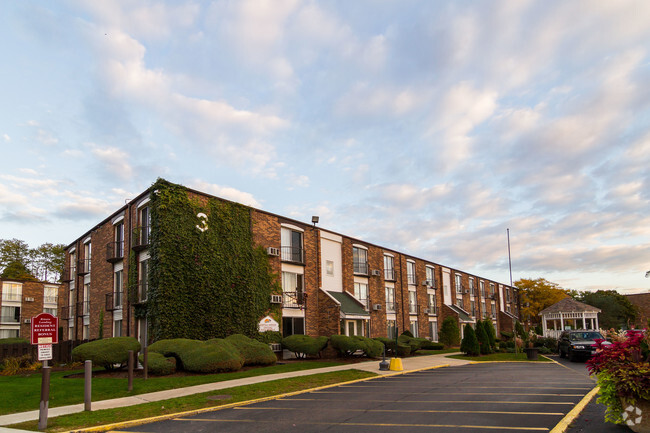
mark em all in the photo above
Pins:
pixel 572 356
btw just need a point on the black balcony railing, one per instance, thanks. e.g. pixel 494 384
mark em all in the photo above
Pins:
pixel 67 313
pixel 83 308
pixel 389 274
pixel 114 301
pixel 293 299
pixel 360 267
pixel 292 254
pixel 83 266
pixel 114 251
pixel 69 272
pixel 141 237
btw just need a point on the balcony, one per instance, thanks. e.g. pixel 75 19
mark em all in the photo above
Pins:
pixel 83 266
pixel 413 308
pixel 114 301
pixel 360 267
pixel 50 299
pixel 141 291
pixel 69 273
pixel 67 313
pixel 292 254
pixel 114 251
pixel 389 274
pixel 83 308
pixel 293 299
pixel 140 238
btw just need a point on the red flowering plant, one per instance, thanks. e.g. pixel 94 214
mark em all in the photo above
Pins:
pixel 623 373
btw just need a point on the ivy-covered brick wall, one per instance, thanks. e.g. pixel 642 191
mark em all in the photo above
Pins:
pixel 207 281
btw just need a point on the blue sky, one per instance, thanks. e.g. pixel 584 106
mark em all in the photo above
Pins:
pixel 427 127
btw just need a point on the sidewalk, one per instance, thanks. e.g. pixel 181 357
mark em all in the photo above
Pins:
pixel 409 364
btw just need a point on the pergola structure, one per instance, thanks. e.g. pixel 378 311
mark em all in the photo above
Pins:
pixel 568 314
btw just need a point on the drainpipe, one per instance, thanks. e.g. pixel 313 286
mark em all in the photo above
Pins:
pixel 401 286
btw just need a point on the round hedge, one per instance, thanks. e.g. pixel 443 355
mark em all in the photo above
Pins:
pixel 304 345
pixel 159 365
pixel 107 352
pixel 212 356
pixel 348 346
pixel 254 352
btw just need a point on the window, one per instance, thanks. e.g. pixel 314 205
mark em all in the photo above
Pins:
pixel 413 302
pixel 433 331
pixel 292 291
pixel 86 301
pixel 360 260
pixel 432 303
pixel 291 245
pixel 10 315
pixel 389 268
pixel 117 328
pixel 361 293
pixel 118 249
pixel 431 279
pixel 483 309
pixel 459 285
pixel 71 303
pixel 410 273
pixel 507 294
pixel 491 289
pixel 145 226
pixel 12 292
pixel 86 332
pixel 471 286
pixel 390 329
pixel 414 328
pixel 508 308
pixel 51 311
pixel 9 333
pixel 117 289
pixel 143 281
pixel 493 309
pixel 329 268
pixel 50 295
pixel 292 326
pixel 87 257
pixel 390 299
pixel 459 303
pixel 482 285
pixel 473 307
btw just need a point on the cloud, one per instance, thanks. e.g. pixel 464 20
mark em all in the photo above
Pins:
pixel 6 137
pixel 225 192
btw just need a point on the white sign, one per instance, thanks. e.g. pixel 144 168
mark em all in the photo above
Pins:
pixel 44 352
pixel 268 324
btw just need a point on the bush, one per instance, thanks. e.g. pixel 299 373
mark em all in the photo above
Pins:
pixel 348 346
pixel 269 337
pixel 483 341
pixel 430 345
pixel 408 333
pixel 108 352
pixel 449 334
pixel 159 365
pixel 548 343
pixel 11 366
pixel 469 346
pixel 413 343
pixel 304 345
pixel 491 333
pixel 212 356
pixel 14 340
pixel 254 352
pixel 402 349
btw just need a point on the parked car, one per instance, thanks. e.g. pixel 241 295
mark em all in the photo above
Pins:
pixel 579 344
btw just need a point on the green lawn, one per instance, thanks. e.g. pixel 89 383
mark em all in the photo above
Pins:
pixel 25 390
pixel 236 394
pixel 437 352
pixel 499 357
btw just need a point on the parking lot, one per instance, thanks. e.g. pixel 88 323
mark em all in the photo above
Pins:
pixel 481 397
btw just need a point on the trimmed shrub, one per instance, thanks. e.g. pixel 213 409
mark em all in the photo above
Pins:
pixel 254 352
pixel 546 342
pixel 430 345
pixel 402 349
pixel 158 365
pixel 108 352
pixel 483 341
pixel 413 343
pixel 269 337
pixel 469 346
pixel 212 356
pixel 348 346
pixel 304 345
pixel 13 340
pixel 449 334
pixel 408 333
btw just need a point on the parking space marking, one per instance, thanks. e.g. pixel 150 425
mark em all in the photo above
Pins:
pixel 500 412
pixel 443 401
pixel 463 393
pixel 480 387
pixel 363 424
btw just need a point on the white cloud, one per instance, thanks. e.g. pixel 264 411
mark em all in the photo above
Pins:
pixel 225 192
pixel 6 137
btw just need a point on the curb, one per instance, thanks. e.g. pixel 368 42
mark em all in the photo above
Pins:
pixel 564 423
pixel 133 423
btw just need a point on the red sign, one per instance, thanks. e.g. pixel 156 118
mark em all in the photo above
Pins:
pixel 45 329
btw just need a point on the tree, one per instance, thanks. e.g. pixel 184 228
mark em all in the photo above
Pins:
pixel 16 270
pixel 44 263
pixel 482 337
pixel 616 310
pixel 537 295
pixel 13 250
pixel 449 334
pixel 469 346
pixel 491 333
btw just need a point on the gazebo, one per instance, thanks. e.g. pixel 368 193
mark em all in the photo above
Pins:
pixel 568 314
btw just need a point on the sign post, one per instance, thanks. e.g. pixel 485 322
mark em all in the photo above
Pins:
pixel 44 333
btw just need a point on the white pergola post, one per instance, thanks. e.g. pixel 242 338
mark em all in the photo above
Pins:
pixel 562 321
pixel 597 327
pixel 584 323
pixel 544 326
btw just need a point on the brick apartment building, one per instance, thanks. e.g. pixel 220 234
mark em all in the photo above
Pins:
pixel 21 300
pixel 330 283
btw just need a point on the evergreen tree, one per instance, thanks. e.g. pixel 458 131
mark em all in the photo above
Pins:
pixel 449 334
pixel 491 333
pixel 469 346
pixel 482 337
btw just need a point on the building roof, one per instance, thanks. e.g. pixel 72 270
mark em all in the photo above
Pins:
pixel 350 306
pixel 462 315
pixel 569 305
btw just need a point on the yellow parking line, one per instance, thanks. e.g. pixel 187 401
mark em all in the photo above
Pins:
pixel 573 414
pixel 478 387
pixel 463 393
pixel 364 424
pixel 408 411
pixel 440 401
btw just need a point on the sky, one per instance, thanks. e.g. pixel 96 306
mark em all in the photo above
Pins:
pixel 426 127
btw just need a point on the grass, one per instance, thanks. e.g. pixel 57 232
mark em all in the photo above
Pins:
pixel 437 352
pixel 197 401
pixel 499 357
pixel 25 390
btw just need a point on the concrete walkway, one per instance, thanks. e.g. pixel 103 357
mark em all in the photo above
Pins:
pixel 409 364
